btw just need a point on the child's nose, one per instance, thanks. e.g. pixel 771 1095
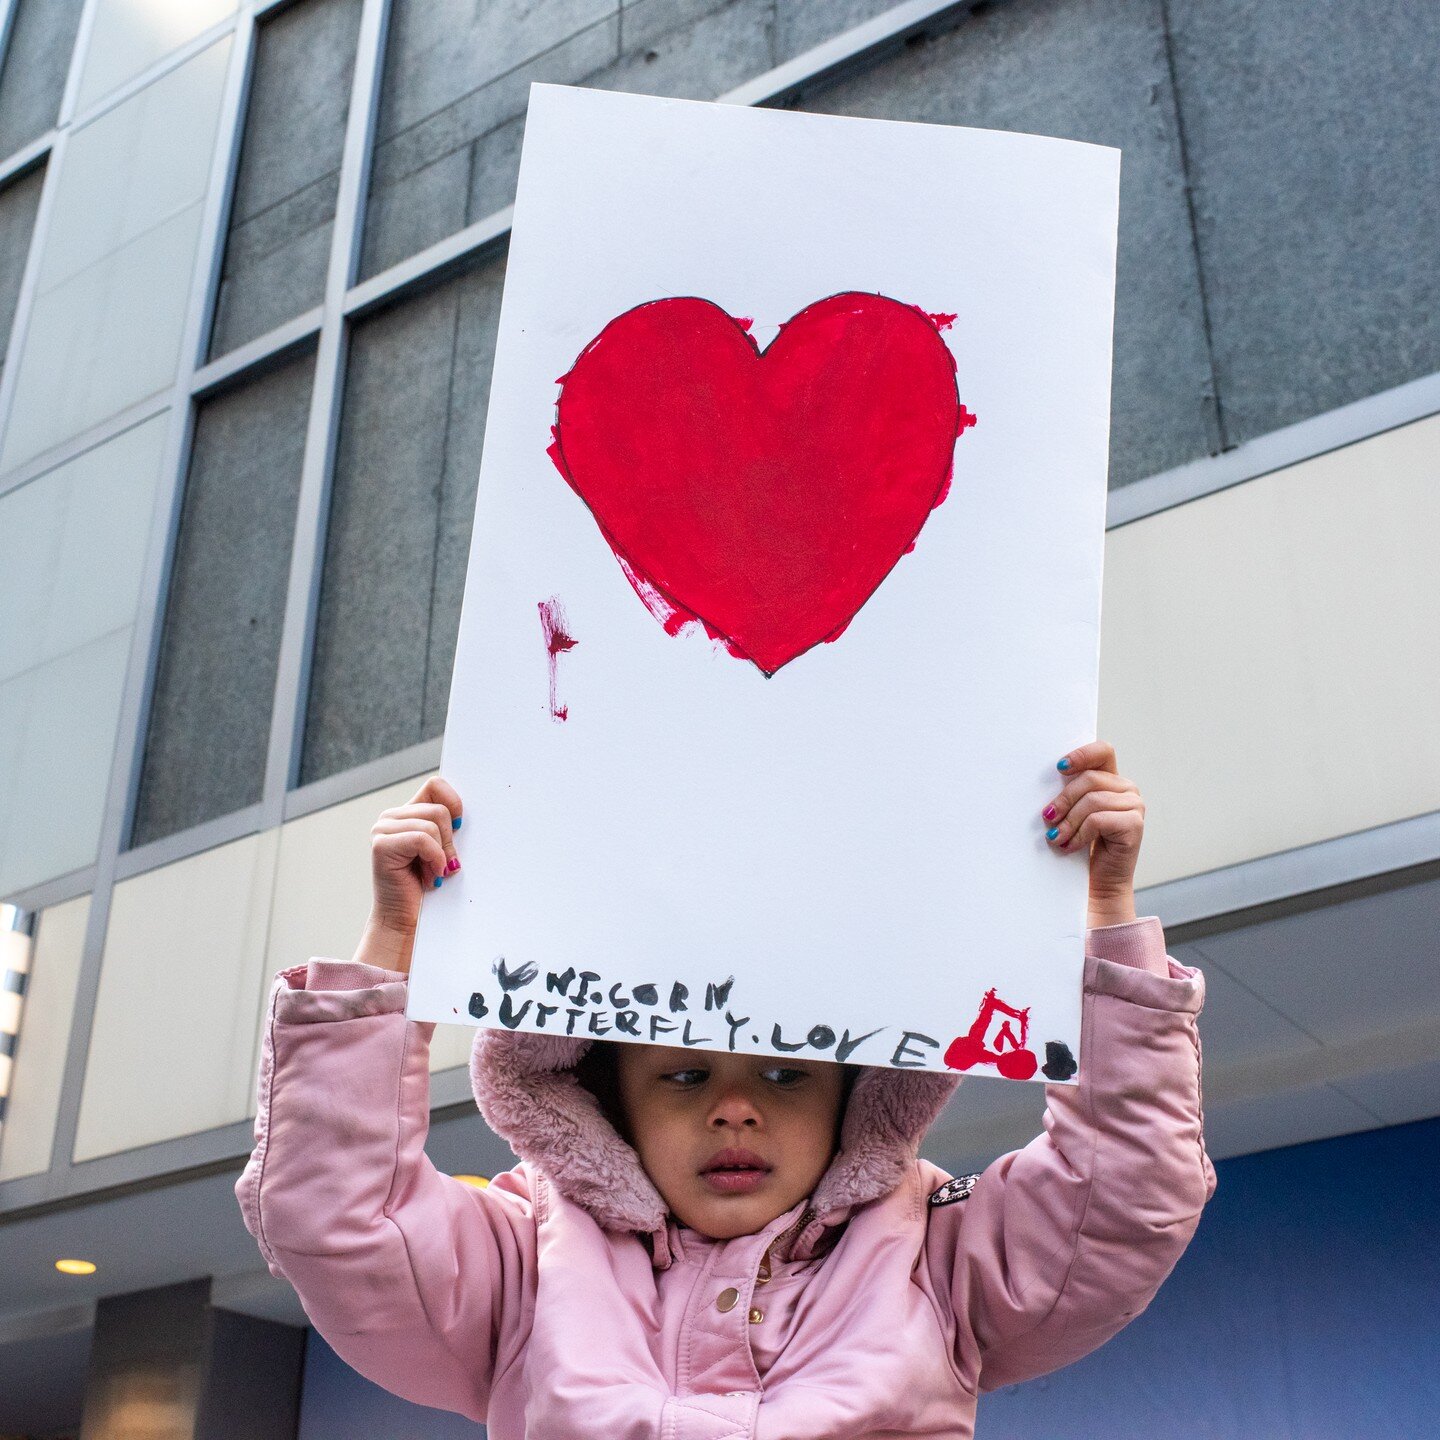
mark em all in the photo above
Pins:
pixel 734 1108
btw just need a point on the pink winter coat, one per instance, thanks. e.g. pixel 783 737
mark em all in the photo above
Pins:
pixel 563 1302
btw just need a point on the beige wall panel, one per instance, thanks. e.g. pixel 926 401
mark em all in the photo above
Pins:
pixel 29 1129
pixel 172 1047
pixel 1270 656
pixel 322 898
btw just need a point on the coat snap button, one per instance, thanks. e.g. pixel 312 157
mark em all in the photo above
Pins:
pixel 756 1316
pixel 726 1299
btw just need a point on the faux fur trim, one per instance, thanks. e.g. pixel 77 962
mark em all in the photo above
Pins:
pixel 526 1089
pixel 885 1121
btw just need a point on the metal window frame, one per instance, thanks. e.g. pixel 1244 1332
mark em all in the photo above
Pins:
pixel 1193 902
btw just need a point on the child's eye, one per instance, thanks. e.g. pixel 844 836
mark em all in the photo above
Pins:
pixel 784 1075
pixel 687 1079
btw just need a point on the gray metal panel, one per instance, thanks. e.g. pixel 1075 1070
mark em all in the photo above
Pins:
pixel 1310 130
pixel 210 713
pixel 802 24
pixel 36 62
pixel 19 202
pixel 284 205
pixel 431 115
pixel 697 61
pixel 1091 70
pixel 406 468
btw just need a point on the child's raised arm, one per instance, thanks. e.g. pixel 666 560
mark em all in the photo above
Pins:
pixel 414 1278
pixel 1061 1244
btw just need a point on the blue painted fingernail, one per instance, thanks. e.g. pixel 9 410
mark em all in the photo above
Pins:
pixel 1062 764
pixel 457 822
pixel 439 881
pixel 1052 833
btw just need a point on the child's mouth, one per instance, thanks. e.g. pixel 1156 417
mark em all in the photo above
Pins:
pixel 735 1172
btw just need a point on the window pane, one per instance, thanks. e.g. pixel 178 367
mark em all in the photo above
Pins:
pixel 404 495
pixel 284 206
pixel 210 717
pixel 28 1133
pixel 117 259
pixel 18 203
pixel 128 36
pixel 36 64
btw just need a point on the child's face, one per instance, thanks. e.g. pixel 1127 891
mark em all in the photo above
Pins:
pixel 731 1141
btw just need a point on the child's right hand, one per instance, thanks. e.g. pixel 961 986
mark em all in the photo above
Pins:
pixel 412 848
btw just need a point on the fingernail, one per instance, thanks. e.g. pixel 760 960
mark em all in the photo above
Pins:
pixel 1049 812
pixel 439 881
pixel 457 822
pixel 1063 764
pixel 1052 832
pixel 452 865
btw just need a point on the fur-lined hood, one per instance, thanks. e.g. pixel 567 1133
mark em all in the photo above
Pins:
pixel 529 1094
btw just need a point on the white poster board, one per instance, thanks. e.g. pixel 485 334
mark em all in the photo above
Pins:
pixel 841 858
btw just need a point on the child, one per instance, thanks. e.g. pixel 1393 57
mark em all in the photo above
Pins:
pixel 703 1246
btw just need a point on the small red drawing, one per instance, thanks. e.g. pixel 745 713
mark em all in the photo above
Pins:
pixel 1004 1050
pixel 763 493
pixel 557 642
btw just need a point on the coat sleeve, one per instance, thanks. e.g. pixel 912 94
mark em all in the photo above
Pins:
pixel 1062 1243
pixel 419 1281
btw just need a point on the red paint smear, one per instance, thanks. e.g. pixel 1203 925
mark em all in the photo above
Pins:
pixel 966 421
pixel 557 642
pixel 1007 1052
pixel 745 322
pixel 940 320
pixel 766 494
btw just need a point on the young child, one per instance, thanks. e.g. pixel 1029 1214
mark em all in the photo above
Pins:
pixel 703 1246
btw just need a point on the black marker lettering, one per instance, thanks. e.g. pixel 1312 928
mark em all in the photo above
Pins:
pixel 646 994
pixel 659 1023
pixel 543 1013
pixel 615 1001
pixel 778 1042
pixel 559 984
pixel 513 979
pixel 598 1023
pixel 821 1037
pixel 688 1039
pixel 508 1015
pixel 905 1049
pixel 678 995
pixel 848 1047
pixel 629 1022
pixel 717 995
pixel 477 1007
pixel 587 978
pixel 574 1014
pixel 734 1025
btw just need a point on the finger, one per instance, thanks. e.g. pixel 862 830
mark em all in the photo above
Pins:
pixel 398 825
pixel 398 849
pixel 439 815
pixel 438 790
pixel 1097 755
pixel 1084 784
pixel 1097 802
pixel 1121 830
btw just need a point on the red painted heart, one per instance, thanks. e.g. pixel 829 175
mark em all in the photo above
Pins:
pixel 765 493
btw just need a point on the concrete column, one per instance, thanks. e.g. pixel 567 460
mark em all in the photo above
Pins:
pixel 166 1365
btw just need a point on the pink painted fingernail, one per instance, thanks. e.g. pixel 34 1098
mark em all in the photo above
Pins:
pixel 1050 812
pixel 453 865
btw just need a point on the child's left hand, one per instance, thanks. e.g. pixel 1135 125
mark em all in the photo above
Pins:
pixel 1100 809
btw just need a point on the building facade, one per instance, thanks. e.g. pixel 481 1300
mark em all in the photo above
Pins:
pixel 251 260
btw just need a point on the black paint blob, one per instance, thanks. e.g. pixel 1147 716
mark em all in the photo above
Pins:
pixel 1059 1062
pixel 477 1007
